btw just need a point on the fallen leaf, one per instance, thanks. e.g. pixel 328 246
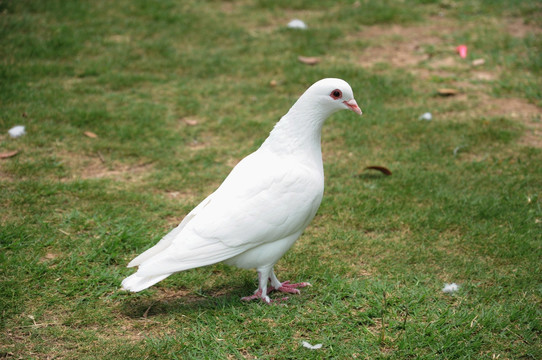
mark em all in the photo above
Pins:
pixel 308 60
pixel 90 134
pixel 190 121
pixel 447 92
pixel 382 169
pixel 8 154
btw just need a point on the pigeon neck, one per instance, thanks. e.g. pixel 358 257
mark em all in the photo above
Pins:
pixel 299 132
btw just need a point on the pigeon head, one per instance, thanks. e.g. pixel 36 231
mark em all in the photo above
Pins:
pixel 333 95
pixel 299 131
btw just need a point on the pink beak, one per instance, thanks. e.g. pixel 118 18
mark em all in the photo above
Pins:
pixel 353 105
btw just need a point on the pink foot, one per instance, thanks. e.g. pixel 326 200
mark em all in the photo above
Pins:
pixel 265 299
pixel 258 295
pixel 286 287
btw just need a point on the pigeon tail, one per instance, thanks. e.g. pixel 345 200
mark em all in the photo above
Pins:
pixel 136 283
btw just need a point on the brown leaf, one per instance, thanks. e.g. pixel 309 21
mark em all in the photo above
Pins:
pixel 382 169
pixel 308 60
pixel 190 121
pixel 8 154
pixel 447 92
pixel 90 134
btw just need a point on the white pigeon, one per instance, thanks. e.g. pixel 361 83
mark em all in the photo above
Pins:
pixel 261 208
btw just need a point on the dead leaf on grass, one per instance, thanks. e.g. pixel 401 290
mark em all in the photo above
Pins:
pixel 308 60
pixel 90 134
pixel 382 169
pixel 447 92
pixel 8 154
pixel 190 121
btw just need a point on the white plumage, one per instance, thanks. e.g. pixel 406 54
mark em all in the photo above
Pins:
pixel 261 208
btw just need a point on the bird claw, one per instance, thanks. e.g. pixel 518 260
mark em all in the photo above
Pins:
pixel 257 295
pixel 285 287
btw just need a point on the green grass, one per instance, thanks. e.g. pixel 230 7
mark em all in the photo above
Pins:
pixel 464 203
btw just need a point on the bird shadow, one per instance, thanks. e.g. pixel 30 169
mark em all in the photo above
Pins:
pixel 171 301
pixel 370 176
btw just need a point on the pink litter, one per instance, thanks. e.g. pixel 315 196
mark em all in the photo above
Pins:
pixel 462 50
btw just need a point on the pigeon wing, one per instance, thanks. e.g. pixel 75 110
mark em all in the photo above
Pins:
pixel 166 241
pixel 264 199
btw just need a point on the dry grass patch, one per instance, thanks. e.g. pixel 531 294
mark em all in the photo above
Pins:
pixel 84 166
pixel 405 46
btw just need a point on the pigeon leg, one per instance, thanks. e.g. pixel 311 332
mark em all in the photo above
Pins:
pixel 261 293
pixel 286 287
pixel 265 275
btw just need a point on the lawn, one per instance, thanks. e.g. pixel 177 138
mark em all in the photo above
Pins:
pixel 136 110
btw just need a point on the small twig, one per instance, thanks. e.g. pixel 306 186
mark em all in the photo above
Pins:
pixel 405 318
pixel 456 150
pixel 147 311
pixel 101 157
pixel 473 322
pixel 36 325
pixel 64 232
pixel 383 330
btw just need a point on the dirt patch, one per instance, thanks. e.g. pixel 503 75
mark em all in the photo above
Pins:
pixel 186 196
pixel 515 108
pixel 524 112
pixel 410 46
pixel 405 46
pixel 118 39
pixel 518 28
pixel 477 103
pixel 96 167
pixel 200 144
pixel 425 52
pixel 49 256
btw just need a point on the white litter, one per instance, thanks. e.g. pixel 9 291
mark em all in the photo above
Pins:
pixel 312 347
pixel 16 131
pixel 456 150
pixel 426 116
pixel 450 288
pixel 297 24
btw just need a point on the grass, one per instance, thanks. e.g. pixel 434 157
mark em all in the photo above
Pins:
pixel 178 92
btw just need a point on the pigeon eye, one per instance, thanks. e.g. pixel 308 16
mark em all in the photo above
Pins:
pixel 336 94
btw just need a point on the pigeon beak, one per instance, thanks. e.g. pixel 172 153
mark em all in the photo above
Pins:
pixel 353 105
